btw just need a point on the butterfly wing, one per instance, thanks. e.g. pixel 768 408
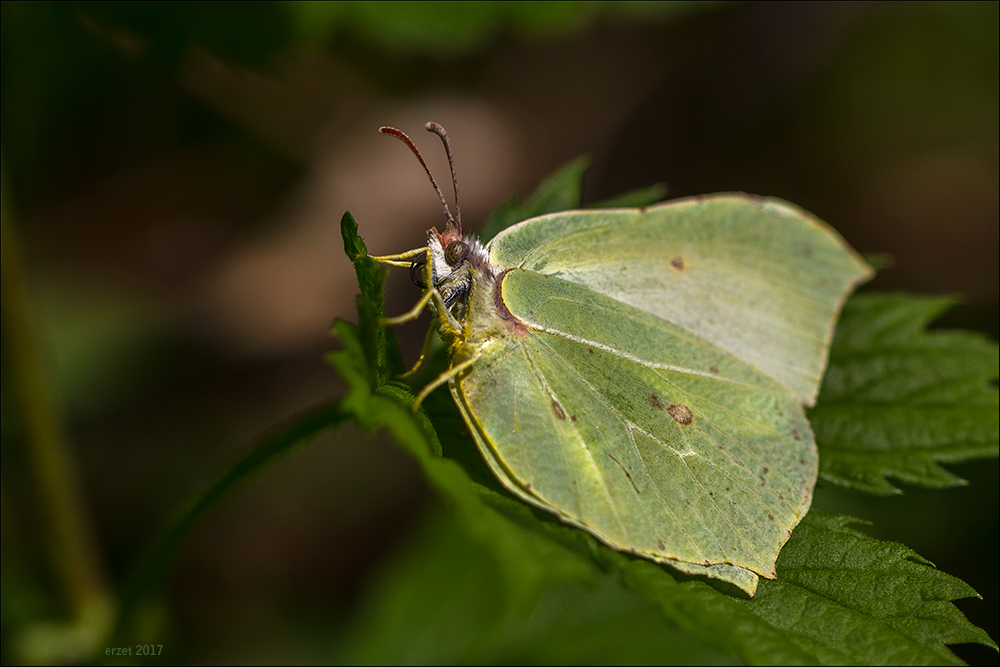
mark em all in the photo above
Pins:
pixel 757 277
pixel 639 431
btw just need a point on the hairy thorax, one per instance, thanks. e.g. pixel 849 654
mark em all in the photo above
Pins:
pixel 469 285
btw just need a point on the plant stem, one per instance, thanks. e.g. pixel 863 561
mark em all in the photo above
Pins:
pixel 69 536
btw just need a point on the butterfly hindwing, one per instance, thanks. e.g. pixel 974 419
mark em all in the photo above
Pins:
pixel 626 425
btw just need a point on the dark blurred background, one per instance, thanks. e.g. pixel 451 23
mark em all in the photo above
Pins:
pixel 177 173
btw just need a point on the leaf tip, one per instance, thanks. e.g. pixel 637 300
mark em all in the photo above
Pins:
pixel 354 245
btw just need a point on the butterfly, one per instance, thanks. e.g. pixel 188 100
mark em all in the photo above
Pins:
pixel 642 373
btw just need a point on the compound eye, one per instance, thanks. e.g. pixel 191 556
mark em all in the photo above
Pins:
pixel 455 253
pixel 418 273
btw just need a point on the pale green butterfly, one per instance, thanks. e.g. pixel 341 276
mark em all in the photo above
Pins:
pixel 641 373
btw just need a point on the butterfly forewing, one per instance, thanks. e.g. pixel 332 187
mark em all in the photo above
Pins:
pixel 758 277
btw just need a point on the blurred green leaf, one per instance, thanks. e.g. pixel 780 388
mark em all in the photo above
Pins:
pixel 163 32
pixel 281 442
pixel 100 343
pixel 559 192
pixel 562 192
pixel 444 602
pixel 635 198
pixel 897 399
pixel 452 29
pixel 941 58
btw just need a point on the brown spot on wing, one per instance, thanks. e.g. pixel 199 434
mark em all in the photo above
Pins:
pixel 680 413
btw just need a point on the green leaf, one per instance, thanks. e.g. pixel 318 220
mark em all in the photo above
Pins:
pixel 354 245
pixel 840 597
pixel 377 339
pixel 844 597
pixel 897 399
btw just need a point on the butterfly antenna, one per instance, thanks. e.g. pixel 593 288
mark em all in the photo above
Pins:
pixel 399 134
pixel 440 131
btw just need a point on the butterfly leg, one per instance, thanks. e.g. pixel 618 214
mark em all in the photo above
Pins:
pixel 424 352
pixel 414 312
pixel 450 327
pixel 396 260
pixel 457 369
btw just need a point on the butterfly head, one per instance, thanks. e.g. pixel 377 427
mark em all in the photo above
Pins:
pixel 456 262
